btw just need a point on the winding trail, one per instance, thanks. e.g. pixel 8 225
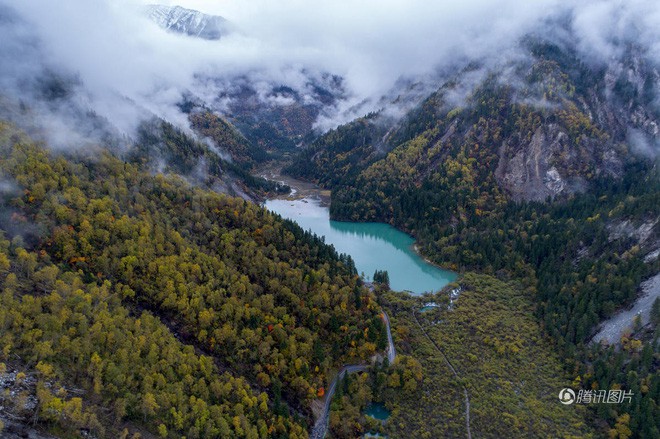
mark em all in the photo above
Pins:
pixel 456 375
pixel 391 350
pixel 320 428
pixel 300 189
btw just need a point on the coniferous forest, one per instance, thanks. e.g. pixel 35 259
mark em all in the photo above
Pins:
pixel 131 298
pixel 147 291
pixel 442 183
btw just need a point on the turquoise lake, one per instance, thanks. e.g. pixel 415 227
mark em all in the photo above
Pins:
pixel 373 246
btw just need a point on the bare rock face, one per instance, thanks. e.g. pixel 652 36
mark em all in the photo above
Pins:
pixel 531 171
pixel 627 229
pixel 553 181
pixel 643 234
pixel 614 117
pixel 18 406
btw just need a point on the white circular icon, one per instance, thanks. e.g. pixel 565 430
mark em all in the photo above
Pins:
pixel 567 396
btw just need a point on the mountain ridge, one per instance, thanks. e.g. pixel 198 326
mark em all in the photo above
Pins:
pixel 189 21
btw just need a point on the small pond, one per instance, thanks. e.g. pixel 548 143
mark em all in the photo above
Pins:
pixel 377 411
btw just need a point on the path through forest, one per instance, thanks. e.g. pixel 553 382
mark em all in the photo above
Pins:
pixel 456 376
pixel 320 428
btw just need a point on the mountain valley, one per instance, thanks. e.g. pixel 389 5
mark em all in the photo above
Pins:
pixel 146 290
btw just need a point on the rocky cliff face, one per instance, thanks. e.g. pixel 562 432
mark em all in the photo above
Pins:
pixel 526 173
pixel 550 129
pixel 630 85
pixel 549 166
pixel 619 117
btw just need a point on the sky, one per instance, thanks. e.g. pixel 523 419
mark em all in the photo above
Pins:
pixel 121 57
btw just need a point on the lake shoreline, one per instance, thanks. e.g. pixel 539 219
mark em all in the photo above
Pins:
pixel 299 189
pixel 372 245
pixel 419 253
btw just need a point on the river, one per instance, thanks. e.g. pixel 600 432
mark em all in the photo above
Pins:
pixel 373 246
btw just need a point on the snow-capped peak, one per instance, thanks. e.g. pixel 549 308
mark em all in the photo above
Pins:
pixel 188 21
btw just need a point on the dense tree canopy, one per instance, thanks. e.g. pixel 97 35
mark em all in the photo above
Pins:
pixel 437 175
pixel 110 270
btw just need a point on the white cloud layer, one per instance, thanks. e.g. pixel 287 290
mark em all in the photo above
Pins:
pixel 116 51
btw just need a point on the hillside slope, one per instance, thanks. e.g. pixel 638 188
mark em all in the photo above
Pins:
pixel 164 307
pixel 542 173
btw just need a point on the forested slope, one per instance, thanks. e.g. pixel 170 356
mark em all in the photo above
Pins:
pixel 162 147
pixel 165 304
pixel 528 178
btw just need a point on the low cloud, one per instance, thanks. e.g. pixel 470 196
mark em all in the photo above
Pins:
pixel 128 67
pixel 642 144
